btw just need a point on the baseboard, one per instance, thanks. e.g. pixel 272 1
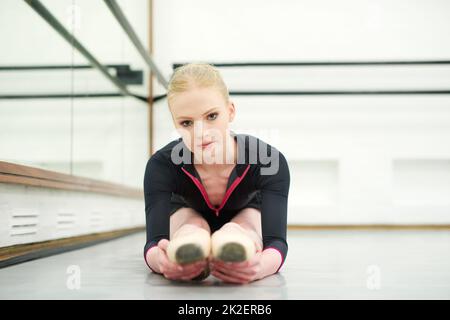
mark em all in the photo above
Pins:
pixel 26 252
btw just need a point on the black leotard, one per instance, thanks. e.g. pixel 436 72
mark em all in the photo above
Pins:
pixel 170 185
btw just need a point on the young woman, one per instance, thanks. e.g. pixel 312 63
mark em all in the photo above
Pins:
pixel 215 201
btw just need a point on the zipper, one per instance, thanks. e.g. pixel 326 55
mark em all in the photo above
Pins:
pixel 227 193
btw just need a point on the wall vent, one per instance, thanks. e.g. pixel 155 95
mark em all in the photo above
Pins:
pixel 23 222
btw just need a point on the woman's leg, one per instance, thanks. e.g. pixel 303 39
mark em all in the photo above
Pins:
pixel 190 237
pixel 185 221
pixel 247 220
pixel 239 239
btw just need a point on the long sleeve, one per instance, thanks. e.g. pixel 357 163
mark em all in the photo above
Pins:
pixel 274 206
pixel 159 183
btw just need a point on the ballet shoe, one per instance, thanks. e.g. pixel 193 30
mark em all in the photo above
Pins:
pixel 203 275
pixel 190 248
pixel 232 246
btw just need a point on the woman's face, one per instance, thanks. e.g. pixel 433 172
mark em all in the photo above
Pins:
pixel 201 116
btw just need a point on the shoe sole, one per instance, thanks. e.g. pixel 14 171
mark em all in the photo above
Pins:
pixel 232 246
pixel 232 252
pixel 189 248
pixel 189 253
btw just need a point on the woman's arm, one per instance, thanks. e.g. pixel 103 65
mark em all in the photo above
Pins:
pixel 159 183
pixel 274 204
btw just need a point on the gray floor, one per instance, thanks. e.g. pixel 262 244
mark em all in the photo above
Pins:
pixel 320 265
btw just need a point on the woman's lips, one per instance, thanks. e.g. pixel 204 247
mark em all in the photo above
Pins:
pixel 206 144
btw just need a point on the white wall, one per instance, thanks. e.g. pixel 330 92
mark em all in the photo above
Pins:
pixel 353 159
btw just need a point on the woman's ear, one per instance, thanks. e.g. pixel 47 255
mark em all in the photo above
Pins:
pixel 232 110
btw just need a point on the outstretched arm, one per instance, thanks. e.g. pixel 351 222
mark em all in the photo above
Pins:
pixel 158 186
pixel 274 196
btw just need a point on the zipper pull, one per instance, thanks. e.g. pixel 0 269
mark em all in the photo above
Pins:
pixel 217 212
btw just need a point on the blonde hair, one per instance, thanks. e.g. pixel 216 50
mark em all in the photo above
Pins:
pixel 193 75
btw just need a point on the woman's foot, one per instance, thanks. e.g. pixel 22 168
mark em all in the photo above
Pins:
pixel 189 248
pixel 232 246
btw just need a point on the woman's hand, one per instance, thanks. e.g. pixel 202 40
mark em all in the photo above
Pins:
pixel 237 272
pixel 175 271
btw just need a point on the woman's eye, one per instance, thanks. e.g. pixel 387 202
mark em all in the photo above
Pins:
pixel 186 123
pixel 212 116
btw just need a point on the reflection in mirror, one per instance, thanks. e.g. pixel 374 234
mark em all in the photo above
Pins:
pixel 59 113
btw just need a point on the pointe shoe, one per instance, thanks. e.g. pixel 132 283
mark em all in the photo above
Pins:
pixel 232 246
pixel 190 248
pixel 202 276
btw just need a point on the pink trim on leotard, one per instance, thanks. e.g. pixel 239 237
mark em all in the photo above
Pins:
pixel 227 193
